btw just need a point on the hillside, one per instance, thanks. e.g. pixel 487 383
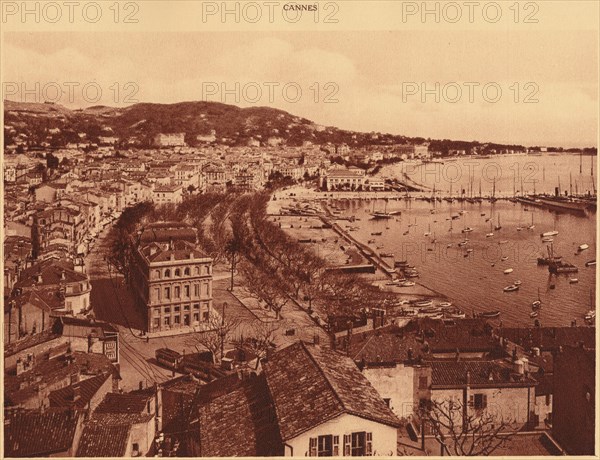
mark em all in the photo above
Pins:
pixel 229 124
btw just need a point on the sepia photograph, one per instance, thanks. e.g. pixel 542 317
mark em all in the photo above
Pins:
pixel 299 229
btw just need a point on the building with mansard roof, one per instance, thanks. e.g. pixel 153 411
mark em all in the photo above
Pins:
pixel 172 278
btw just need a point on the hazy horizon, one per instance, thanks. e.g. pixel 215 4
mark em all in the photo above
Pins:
pixel 373 76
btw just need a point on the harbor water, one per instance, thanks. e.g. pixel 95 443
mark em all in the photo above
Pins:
pixel 471 274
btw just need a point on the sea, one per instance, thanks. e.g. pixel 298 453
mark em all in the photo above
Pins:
pixel 472 276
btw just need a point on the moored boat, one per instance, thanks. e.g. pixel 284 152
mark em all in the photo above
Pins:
pixel 423 303
pixel 562 267
pixel 550 233
pixel 490 314
pixel 511 288
pixel 508 271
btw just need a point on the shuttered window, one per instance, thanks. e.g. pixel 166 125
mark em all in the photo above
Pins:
pixel 478 401
pixel 336 446
pixel 347 445
pixel 312 449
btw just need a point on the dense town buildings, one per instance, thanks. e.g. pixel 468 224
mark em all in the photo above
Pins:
pixel 365 392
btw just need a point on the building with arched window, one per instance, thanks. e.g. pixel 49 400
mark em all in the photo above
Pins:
pixel 172 278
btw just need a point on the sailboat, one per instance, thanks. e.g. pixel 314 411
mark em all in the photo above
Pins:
pixel 498 227
pixel 385 214
pixel 532 226
pixel 491 233
pixel 428 232
pixel 493 199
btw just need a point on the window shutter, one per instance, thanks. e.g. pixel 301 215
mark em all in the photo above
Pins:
pixel 347 445
pixel 312 451
pixel 369 444
pixel 484 401
pixel 336 446
pixel 471 400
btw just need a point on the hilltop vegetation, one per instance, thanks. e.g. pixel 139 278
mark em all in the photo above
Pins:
pixel 223 124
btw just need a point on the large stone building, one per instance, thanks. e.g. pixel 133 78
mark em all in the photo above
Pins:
pixel 169 140
pixel 172 278
pixel 345 179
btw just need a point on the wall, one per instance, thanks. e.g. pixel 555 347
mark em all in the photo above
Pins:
pixel 573 424
pixel 142 434
pixel 395 383
pixel 513 405
pixel 105 388
pixel 385 437
pixel 543 410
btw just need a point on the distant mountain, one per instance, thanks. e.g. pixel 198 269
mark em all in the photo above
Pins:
pixel 226 124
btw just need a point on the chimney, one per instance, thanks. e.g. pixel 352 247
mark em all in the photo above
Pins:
pixel 410 354
pixel 62 275
pixel 74 378
pixel 525 365
pixel 38 277
pixel 468 378
pixel 519 367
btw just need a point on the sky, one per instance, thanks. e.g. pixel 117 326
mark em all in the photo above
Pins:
pixel 370 80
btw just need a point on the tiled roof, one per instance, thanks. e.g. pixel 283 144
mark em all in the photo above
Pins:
pixel 310 385
pixel 182 396
pixel 492 374
pixel 549 338
pixel 30 341
pixel 22 387
pixel 134 402
pixel 51 271
pixel 100 440
pixel 240 423
pixel 388 345
pixel 97 327
pixel 32 433
pixel 87 389
pixel 181 251
pixel 345 173
pixel 32 298
pixel 425 337
pixel 470 334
